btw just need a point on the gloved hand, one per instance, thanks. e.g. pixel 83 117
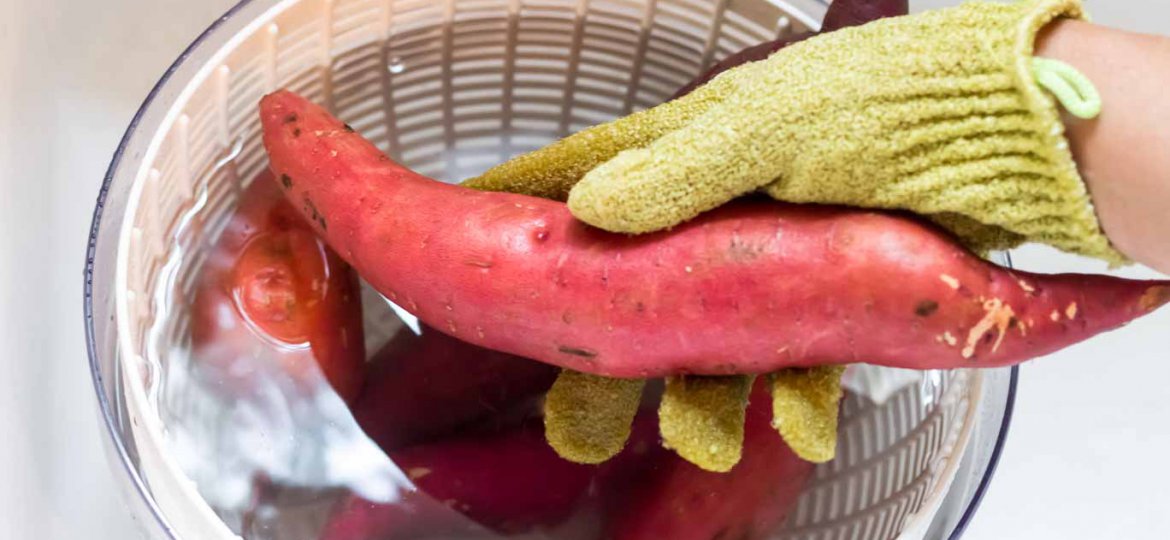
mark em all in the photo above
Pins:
pixel 944 113
pixel 588 418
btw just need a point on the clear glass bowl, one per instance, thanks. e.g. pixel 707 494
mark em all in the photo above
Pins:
pixel 933 438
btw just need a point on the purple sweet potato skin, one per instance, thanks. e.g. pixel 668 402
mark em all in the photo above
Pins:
pixel 753 287
pixel 420 388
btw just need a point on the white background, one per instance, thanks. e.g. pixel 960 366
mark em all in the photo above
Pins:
pixel 1088 457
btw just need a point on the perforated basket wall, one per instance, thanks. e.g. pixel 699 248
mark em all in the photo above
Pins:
pixel 451 87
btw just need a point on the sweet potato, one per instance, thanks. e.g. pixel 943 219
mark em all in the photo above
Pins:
pixel 846 13
pixel 755 53
pixel 510 483
pixel 270 284
pixel 423 387
pixel 660 495
pixel 841 14
pixel 750 288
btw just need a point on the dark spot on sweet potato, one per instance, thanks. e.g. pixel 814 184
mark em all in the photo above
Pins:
pixel 296 132
pixel 926 308
pixel 1013 323
pixel 740 251
pixel 290 118
pixel 348 128
pixel 640 307
pixel 314 215
pixel 567 317
pixel 576 351
pixel 479 264
pixel 286 181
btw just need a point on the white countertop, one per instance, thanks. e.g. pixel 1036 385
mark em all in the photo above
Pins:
pixel 1085 458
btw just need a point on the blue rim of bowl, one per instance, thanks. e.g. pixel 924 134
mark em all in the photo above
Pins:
pixel 993 462
pixel 91 339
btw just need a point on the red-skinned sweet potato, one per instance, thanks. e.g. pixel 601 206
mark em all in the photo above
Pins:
pixel 423 387
pixel 752 287
pixel 846 13
pixel 841 14
pixel 656 494
pixel 755 53
pixel 271 284
pixel 511 483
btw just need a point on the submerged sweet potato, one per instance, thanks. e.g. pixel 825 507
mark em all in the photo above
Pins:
pixel 660 495
pixel 271 286
pixel 510 482
pixel 423 387
pixel 753 287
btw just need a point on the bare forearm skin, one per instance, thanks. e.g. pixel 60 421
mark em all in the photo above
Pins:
pixel 1124 154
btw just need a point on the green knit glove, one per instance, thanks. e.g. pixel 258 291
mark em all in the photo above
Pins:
pixel 944 113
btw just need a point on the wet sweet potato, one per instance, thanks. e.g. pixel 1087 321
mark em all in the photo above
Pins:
pixel 427 386
pixel 510 482
pixel 657 494
pixel 752 287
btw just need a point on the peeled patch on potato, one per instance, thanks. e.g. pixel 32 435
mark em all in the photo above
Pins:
pixel 587 418
pixel 805 406
pixel 702 418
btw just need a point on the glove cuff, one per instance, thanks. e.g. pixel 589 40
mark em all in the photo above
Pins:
pixel 954 125
pixel 1053 208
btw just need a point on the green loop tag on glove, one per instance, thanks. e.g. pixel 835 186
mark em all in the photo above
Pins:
pixel 1070 87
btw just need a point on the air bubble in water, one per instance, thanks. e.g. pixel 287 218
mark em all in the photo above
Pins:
pixel 396 66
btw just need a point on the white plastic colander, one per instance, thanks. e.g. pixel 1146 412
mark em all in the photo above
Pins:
pixel 451 87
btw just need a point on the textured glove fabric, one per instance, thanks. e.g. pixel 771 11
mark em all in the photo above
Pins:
pixel 937 113
pixel 804 410
pixel 552 171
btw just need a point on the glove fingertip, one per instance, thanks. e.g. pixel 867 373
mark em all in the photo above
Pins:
pixel 607 199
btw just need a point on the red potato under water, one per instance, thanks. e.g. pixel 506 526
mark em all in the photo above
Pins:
pixel 752 287
pixel 420 388
pixel 657 494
